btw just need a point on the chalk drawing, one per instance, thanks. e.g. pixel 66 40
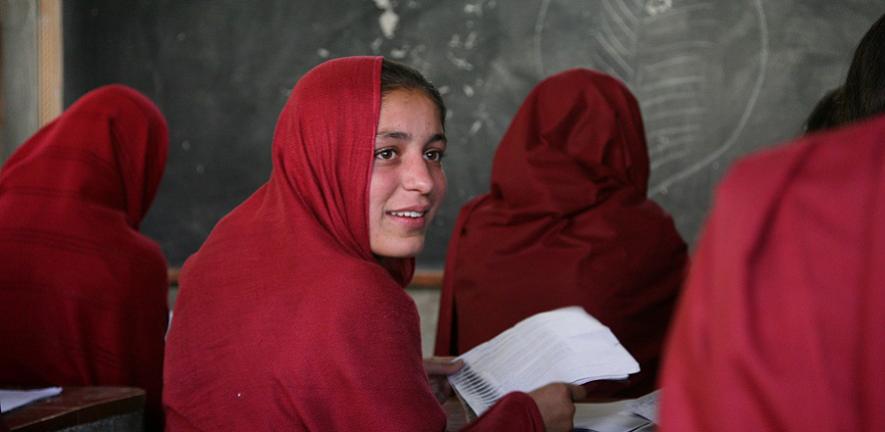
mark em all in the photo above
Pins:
pixel 460 63
pixel 470 41
pixel 655 7
pixel 388 19
pixel 539 32
pixel 376 45
pixel 398 53
pixel 455 41
pixel 666 52
pixel 745 116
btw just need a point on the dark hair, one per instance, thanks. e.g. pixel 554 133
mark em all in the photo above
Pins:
pixel 396 76
pixel 864 89
pixel 828 113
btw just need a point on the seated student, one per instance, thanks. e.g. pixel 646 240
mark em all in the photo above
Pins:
pixel 567 222
pixel 783 304
pixel 293 313
pixel 781 326
pixel 82 292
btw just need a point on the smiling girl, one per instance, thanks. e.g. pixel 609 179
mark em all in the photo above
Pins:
pixel 292 315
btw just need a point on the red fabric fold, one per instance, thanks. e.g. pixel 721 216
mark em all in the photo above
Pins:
pixel 567 222
pixel 285 320
pixel 781 324
pixel 82 293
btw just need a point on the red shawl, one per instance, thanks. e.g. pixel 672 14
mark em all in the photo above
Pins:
pixel 82 293
pixel 567 222
pixel 781 326
pixel 285 320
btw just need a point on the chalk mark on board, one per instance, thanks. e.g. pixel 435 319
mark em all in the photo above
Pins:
pixel 745 117
pixel 666 143
pixel 539 30
pixel 613 53
pixel 620 19
pixel 665 64
pixel 388 18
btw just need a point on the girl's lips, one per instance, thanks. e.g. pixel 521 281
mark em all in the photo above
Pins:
pixel 411 219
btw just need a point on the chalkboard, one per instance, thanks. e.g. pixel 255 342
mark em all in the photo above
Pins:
pixel 715 79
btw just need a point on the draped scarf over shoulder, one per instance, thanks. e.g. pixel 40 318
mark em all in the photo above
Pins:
pixel 781 324
pixel 82 293
pixel 566 222
pixel 285 319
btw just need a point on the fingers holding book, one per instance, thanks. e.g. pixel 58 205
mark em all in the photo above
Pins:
pixel 438 369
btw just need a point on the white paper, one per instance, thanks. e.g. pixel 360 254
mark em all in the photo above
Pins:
pixel 564 345
pixel 587 414
pixel 622 416
pixel 646 406
pixel 12 399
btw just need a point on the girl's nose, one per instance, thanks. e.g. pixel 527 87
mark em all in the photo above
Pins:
pixel 416 175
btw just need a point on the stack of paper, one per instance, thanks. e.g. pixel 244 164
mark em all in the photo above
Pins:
pixel 564 345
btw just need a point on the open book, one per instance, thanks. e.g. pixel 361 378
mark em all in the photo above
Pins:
pixel 564 345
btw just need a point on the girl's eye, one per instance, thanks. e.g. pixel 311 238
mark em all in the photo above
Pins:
pixel 434 155
pixel 385 154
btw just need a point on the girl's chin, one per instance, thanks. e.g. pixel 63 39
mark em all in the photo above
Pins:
pixel 404 248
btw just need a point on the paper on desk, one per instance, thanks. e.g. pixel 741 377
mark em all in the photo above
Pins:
pixel 622 416
pixel 12 399
pixel 564 345
pixel 646 406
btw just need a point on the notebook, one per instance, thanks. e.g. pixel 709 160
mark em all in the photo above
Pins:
pixel 563 345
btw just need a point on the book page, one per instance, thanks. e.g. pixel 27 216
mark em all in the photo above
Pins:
pixel 564 345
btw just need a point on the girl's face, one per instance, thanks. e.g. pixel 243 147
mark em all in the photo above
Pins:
pixel 408 182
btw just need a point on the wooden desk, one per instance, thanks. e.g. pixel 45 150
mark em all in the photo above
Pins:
pixel 78 406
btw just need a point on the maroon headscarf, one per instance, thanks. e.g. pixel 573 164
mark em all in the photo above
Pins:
pixel 285 320
pixel 567 222
pixel 781 325
pixel 82 293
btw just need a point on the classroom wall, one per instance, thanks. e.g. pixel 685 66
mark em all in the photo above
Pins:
pixel 715 81
pixel 19 116
pixel 30 69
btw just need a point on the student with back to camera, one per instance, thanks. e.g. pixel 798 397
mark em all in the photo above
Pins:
pixel 567 222
pixel 82 292
pixel 781 323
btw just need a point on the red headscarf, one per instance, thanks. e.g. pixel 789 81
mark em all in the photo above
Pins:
pixel 82 293
pixel 567 222
pixel 285 319
pixel 781 326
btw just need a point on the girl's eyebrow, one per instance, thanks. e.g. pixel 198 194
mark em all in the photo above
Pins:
pixel 394 134
pixel 440 137
pixel 405 136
